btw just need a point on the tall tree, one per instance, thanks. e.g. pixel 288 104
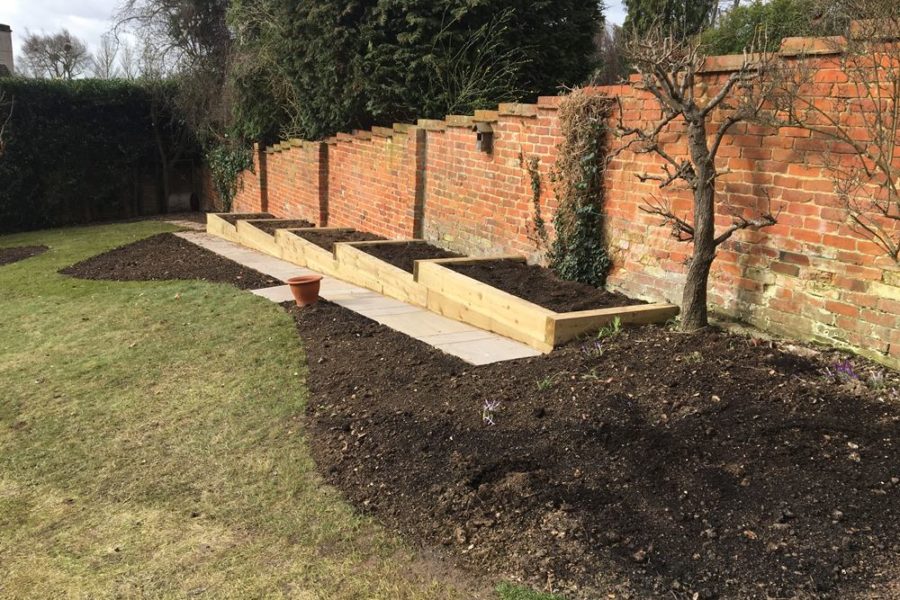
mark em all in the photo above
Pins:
pixel 104 62
pixel 682 17
pixel 737 28
pixel 331 65
pixel 54 56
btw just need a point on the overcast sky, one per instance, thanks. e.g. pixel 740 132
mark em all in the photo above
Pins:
pixel 89 19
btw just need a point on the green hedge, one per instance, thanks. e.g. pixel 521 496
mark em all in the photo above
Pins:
pixel 79 151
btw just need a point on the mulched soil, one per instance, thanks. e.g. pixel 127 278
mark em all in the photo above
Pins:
pixel 648 464
pixel 11 255
pixel 164 257
pixel 234 218
pixel 271 226
pixel 327 239
pixel 541 286
pixel 404 256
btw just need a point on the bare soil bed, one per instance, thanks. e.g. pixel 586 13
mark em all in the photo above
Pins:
pixel 404 256
pixel 166 256
pixel 541 286
pixel 11 255
pixel 327 239
pixel 272 226
pixel 232 219
pixel 648 464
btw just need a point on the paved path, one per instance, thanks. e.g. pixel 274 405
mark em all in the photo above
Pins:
pixel 471 344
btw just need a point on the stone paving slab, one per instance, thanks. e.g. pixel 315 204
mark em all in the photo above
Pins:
pixel 473 345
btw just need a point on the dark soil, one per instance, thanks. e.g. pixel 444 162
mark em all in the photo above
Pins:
pixel 657 465
pixel 234 218
pixel 404 256
pixel 11 255
pixel 327 239
pixel 164 257
pixel 271 226
pixel 541 286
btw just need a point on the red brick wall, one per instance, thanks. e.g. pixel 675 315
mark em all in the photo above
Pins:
pixel 483 203
pixel 373 178
pixel 251 192
pixel 809 276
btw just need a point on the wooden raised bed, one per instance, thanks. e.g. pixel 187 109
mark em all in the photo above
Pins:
pixel 368 271
pixel 218 226
pixel 259 239
pixel 465 299
pixel 304 253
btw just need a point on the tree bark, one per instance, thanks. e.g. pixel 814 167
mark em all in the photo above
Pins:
pixel 693 300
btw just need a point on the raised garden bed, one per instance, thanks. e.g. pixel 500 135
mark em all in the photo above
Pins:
pixel 233 218
pixel 315 248
pixel 224 225
pixel 541 286
pixel 260 234
pixel 659 465
pixel 404 254
pixel 456 295
pixel 387 267
pixel 11 255
pixel 272 225
pixel 164 257
pixel 327 238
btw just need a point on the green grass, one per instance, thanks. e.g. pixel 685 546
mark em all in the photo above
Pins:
pixel 511 592
pixel 151 445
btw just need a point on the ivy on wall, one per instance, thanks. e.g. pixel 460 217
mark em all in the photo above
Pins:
pixel 579 250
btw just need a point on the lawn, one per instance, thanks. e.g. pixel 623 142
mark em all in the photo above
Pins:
pixel 152 444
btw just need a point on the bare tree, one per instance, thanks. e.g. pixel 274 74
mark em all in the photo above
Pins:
pixel 128 60
pixel 865 158
pixel 56 56
pixel 104 62
pixel 669 70
pixel 610 56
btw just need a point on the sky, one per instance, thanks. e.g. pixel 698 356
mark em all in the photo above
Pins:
pixel 90 19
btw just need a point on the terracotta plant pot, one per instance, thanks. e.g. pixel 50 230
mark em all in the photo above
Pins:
pixel 305 289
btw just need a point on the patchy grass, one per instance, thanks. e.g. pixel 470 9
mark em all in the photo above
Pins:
pixel 151 445
pixel 511 592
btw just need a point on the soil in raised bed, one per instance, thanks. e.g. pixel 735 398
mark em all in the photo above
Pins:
pixel 166 256
pixel 656 464
pixel 234 218
pixel 327 239
pixel 541 286
pixel 404 256
pixel 272 226
pixel 11 255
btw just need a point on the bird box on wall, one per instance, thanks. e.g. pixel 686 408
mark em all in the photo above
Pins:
pixel 485 137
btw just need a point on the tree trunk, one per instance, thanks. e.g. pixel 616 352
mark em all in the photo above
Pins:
pixel 693 300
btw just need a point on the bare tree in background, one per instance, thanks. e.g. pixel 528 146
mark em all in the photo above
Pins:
pixel 190 40
pixel 610 56
pixel 865 159
pixel 669 69
pixel 128 66
pixel 104 64
pixel 55 56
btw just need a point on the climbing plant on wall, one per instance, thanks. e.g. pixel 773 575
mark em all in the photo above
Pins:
pixel 579 249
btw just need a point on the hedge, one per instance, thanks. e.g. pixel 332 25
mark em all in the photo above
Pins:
pixel 78 151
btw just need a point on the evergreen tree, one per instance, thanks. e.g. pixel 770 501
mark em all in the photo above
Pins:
pixel 682 17
pixel 315 67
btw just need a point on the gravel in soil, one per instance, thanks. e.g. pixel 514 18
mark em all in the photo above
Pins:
pixel 234 218
pixel 327 239
pixel 165 257
pixel 11 255
pixel 404 256
pixel 541 286
pixel 272 226
pixel 647 464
